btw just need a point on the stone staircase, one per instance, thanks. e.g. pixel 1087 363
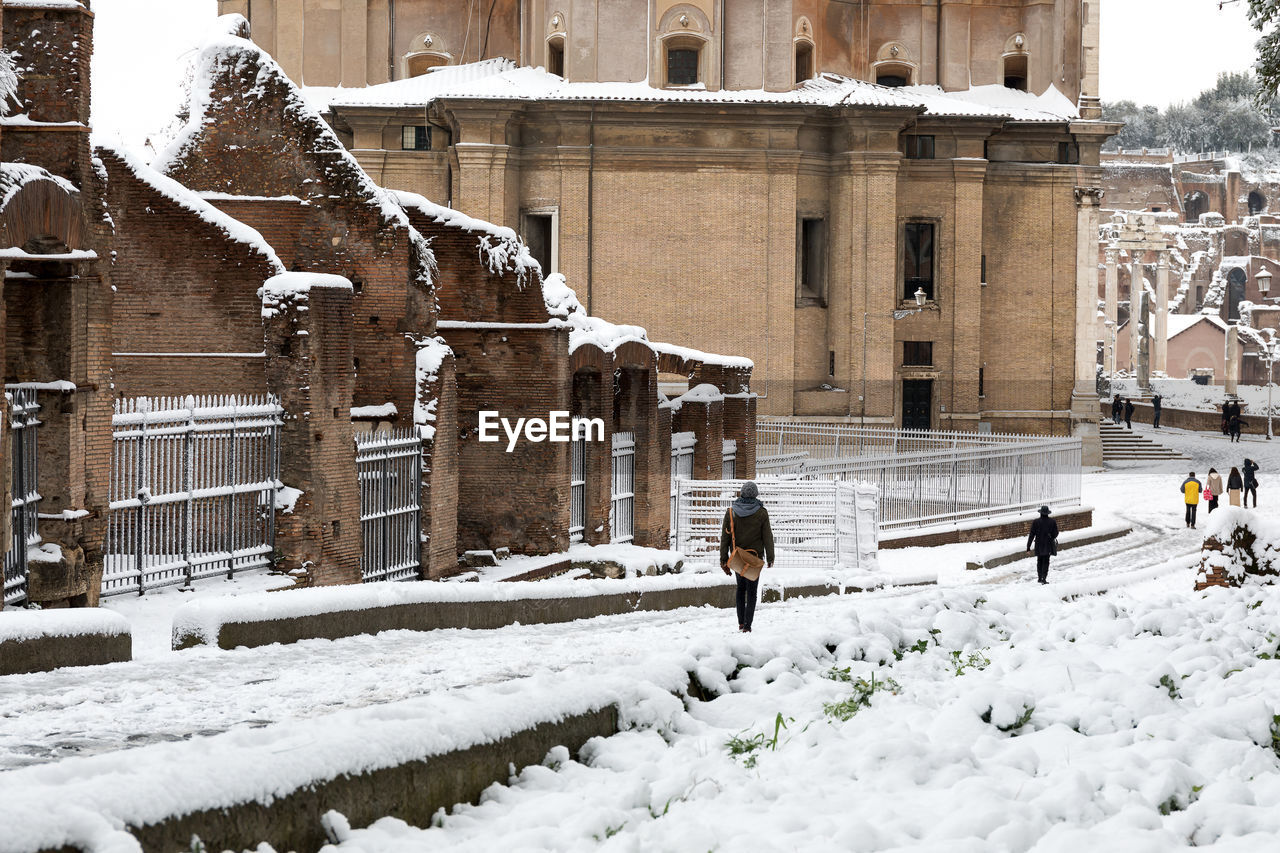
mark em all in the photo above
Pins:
pixel 1120 444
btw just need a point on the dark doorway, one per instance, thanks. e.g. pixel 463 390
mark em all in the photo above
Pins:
pixel 1236 281
pixel 917 401
pixel 1257 203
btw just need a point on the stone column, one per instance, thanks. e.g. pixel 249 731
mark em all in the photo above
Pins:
pixel 307 338
pixel 435 416
pixel 1144 346
pixel 1084 396
pixel 1233 361
pixel 1136 288
pixel 1111 300
pixel 1162 313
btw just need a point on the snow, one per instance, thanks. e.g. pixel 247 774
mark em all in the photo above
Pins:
pixel 430 357
pixel 1230 522
pixel 15 176
pixel 295 287
pixel 1186 394
pixel 188 200
pixel 704 393
pixel 500 79
pixel 287 499
pixel 386 410
pixel 58 385
pixel 499 247
pixel 20 625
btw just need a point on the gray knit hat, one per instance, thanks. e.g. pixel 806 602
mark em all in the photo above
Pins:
pixel 749 490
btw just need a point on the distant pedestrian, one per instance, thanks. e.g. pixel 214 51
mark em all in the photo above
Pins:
pixel 1233 427
pixel 1213 488
pixel 1044 536
pixel 1191 495
pixel 1116 406
pixel 1155 411
pixel 1251 482
pixel 1128 413
pixel 746 545
pixel 1235 485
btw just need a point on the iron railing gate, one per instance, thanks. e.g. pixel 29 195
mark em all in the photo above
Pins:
pixel 682 445
pixel 578 489
pixel 622 503
pixel 729 459
pixel 193 489
pixel 389 467
pixel 816 524
pixel 23 421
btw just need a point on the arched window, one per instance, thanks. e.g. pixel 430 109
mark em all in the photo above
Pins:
pixel 804 61
pixel 894 66
pixel 893 77
pixel 555 56
pixel 1257 203
pixel 682 61
pixel 420 63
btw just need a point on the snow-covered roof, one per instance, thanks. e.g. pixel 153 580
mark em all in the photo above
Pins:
pixel 503 80
pixel 15 176
pixel 500 247
pixel 1179 323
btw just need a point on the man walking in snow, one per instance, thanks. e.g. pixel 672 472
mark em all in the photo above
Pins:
pixel 1044 536
pixel 1191 495
pixel 1115 410
pixel 1128 413
pixel 1251 482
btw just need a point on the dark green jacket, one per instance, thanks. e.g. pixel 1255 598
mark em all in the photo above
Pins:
pixel 753 533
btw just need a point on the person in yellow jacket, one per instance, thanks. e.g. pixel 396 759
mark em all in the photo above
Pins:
pixel 1191 492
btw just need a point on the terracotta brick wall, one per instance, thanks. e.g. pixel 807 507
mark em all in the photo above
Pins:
pixel 440 476
pixel 706 422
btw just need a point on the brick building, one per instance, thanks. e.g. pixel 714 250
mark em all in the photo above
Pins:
pixel 797 170
pixel 255 276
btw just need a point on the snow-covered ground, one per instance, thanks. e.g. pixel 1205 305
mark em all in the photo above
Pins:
pixel 1186 394
pixel 1104 750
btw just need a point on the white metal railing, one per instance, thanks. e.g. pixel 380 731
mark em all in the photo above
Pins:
pixel 192 489
pixel 729 459
pixel 389 467
pixel 25 500
pixel 815 523
pixel 822 440
pixel 622 497
pixel 577 489
pixel 682 445
pixel 929 478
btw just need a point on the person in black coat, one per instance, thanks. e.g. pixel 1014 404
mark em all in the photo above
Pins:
pixel 1128 413
pixel 1044 535
pixel 1115 409
pixel 1155 411
pixel 1251 482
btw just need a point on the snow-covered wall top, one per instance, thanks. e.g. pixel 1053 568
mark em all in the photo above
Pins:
pixel 235 84
pixel 500 247
pixel 502 79
pixel 188 200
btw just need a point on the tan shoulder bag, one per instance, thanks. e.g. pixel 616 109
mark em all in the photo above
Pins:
pixel 742 560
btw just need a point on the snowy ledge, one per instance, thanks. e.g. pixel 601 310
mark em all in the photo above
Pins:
pixel 258 619
pixel 41 640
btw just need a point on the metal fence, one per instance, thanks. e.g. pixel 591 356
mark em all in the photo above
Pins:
pixel 192 491
pixel 577 489
pixel 729 459
pixel 23 423
pixel 622 502
pixel 682 445
pixel 816 524
pixel 822 440
pixel 389 467
pixel 930 478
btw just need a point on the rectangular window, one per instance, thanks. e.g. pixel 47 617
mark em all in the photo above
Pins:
pixel 415 137
pixel 682 66
pixel 539 234
pixel 984 269
pixel 918 147
pixel 1068 153
pixel 812 261
pixel 917 267
pixel 917 353
pixel 831 362
pixel 982 387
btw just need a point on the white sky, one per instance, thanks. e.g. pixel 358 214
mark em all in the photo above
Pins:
pixel 1167 51
pixel 1153 51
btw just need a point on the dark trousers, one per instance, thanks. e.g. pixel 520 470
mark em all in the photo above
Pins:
pixel 1126 421
pixel 1251 490
pixel 1213 504
pixel 1042 567
pixel 1191 515
pixel 746 600
pixel 1155 418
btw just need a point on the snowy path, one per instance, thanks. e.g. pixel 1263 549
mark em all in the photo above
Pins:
pixel 49 716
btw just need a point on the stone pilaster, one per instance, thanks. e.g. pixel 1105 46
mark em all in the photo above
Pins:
pixel 1111 298
pixel 1084 396
pixel 702 414
pixel 435 416
pixel 1161 343
pixel 307 337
